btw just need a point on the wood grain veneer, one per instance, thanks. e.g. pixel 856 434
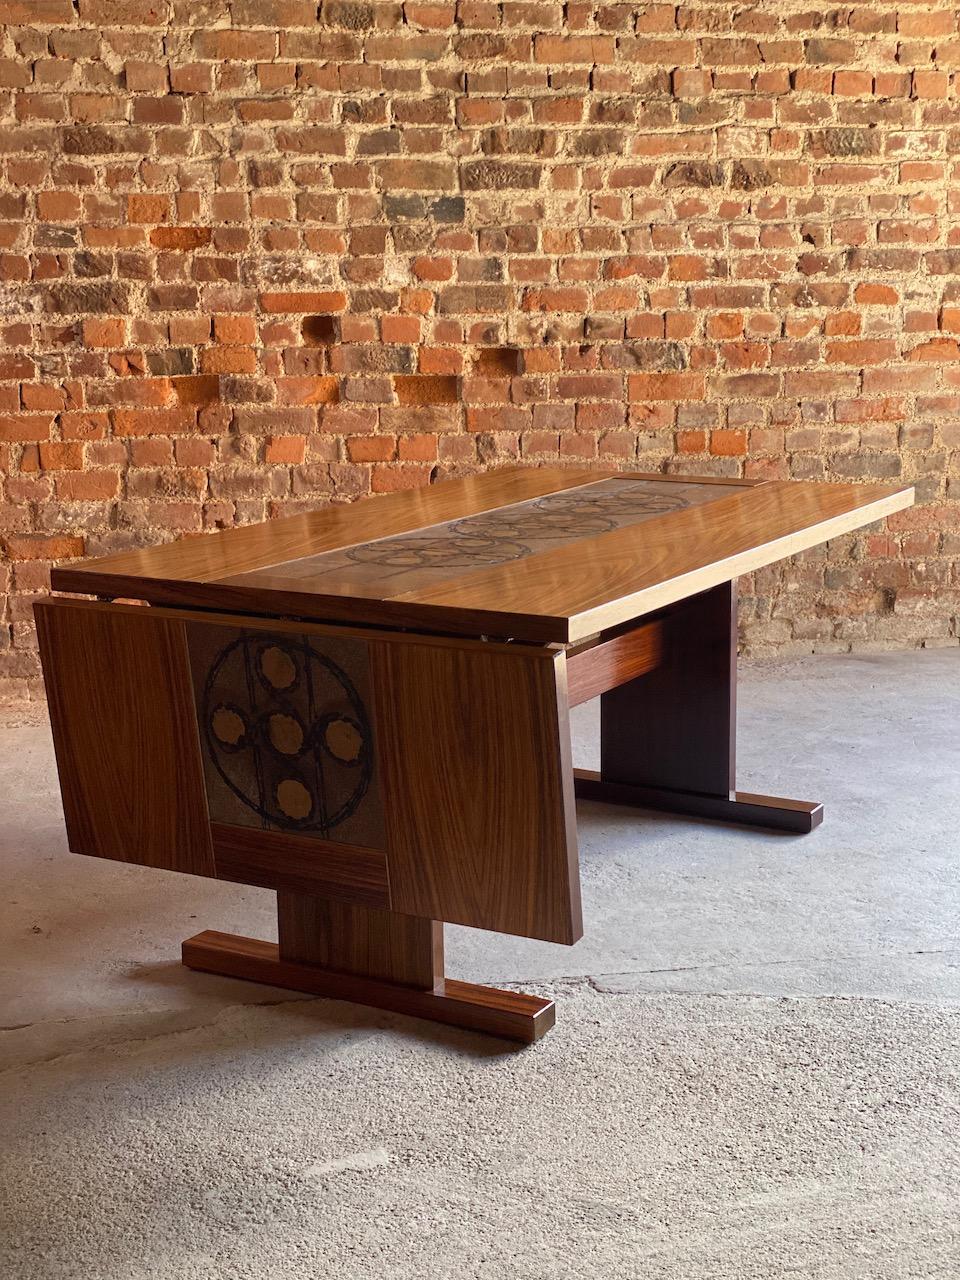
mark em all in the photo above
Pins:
pixel 301 864
pixel 369 944
pixel 510 1014
pixel 477 778
pixel 574 591
pixel 610 662
pixel 121 708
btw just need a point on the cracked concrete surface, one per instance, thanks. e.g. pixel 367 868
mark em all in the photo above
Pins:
pixel 754 1073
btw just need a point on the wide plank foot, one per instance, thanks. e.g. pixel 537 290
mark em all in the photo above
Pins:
pixel 510 1014
pixel 742 808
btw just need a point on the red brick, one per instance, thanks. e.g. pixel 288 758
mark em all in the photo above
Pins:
pixel 58 206
pixel 739 204
pixel 666 386
pixel 302 303
pixel 88 486
pixel 184 238
pixel 111 332
pixel 55 456
pixel 561 49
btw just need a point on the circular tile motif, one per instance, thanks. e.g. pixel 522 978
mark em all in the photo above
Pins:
pixel 229 726
pixel 343 738
pixel 287 732
pixel 499 536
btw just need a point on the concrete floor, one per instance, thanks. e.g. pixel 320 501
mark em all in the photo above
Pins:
pixel 754 1073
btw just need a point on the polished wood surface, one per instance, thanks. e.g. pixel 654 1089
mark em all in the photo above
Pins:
pixel 563 593
pixel 610 662
pixel 577 590
pixel 509 1014
pixel 471 766
pixel 367 943
pixel 675 726
pixel 477 780
pixel 121 709
pixel 301 864
pixel 740 808
pixel 215 556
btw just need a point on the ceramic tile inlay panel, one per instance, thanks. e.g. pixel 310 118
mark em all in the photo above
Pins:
pixel 285 732
pixel 441 551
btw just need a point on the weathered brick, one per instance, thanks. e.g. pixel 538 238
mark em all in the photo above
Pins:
pixel 282 252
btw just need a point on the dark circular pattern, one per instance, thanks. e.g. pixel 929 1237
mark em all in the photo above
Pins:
pixel 431 553
pixel 313 788
pixel 497 537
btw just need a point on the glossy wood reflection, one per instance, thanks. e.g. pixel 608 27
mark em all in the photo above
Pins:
pixel 561 593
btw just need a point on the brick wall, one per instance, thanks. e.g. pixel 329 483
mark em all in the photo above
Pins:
pixel 258 255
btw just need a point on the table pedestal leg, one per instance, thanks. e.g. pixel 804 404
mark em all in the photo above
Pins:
pixel 371 957
pixel 668 737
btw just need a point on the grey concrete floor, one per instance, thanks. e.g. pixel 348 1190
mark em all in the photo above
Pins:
pixel 819 975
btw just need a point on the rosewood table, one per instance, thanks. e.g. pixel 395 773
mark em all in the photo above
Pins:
pixel 364 708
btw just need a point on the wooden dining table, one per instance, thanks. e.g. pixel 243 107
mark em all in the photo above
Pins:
pixel 364 708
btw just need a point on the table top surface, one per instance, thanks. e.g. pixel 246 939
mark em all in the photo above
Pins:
pixel 537 554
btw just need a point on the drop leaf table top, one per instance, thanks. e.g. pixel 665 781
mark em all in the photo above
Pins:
pixel 547 554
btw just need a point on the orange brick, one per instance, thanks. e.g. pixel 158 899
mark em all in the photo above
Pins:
pixel 939 350
pixel 228 360
pixel 37 546
pixel 391 479
pixel 691 441
pixel 666 386
pixel 400 329
pixel 862 352
pixel 305 391
pixel 881 295
pixel 413 389
pixel 235 330
pixel 148 208
pixel 58 206
pixel 22 427
pixel 184 238
pixel 110 332
pixel 728 444
pixel 285 449
pixel 55 456
pixel 725 324
pixel 371 448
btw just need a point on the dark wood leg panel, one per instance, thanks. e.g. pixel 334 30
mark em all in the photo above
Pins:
pixel 742 808
pixel 371 957
pixel 668 737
